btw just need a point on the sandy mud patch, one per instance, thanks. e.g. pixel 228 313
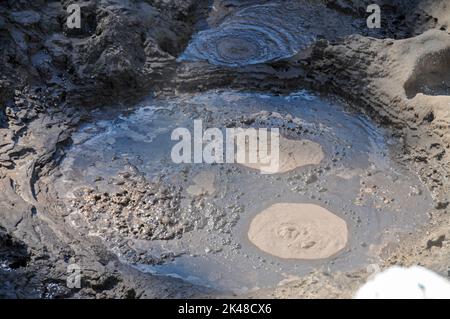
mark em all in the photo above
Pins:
pixel 292 154
pixel 299 231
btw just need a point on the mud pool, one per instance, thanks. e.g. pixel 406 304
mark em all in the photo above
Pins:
pixel 238 33
pixel 357 180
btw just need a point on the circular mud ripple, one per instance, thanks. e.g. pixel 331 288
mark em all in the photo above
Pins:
pixel 298 231
pixel 253 35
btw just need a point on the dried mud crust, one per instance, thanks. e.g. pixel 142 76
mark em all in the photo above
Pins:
pixel 127 49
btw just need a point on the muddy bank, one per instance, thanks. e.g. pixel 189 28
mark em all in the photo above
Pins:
pixel 47 72
pixel 190 220
pixel 51 76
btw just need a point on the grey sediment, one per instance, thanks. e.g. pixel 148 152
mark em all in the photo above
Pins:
pixel 54 79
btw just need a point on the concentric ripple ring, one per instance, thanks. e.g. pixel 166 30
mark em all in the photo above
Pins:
pixel 256 34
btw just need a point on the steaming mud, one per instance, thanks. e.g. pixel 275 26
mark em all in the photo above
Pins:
pixel 298 231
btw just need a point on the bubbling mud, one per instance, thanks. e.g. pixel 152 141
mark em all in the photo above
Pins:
pixel 239 33
pixel 298 231
pixel 192 220
pixel 252 35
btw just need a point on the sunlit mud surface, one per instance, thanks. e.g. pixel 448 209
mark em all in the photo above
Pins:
pixel 191 221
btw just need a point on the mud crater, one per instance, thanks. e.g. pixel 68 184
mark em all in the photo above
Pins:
pixel 192 221
pixel 252 32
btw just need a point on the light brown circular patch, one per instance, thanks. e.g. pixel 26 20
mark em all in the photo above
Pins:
pixel 292 154
pixel 298 231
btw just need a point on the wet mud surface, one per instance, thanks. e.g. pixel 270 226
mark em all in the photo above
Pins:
pixel 191 221
pixel 238 34
pixel 86 176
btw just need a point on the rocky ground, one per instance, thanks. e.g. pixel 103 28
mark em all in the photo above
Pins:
pixel 51 77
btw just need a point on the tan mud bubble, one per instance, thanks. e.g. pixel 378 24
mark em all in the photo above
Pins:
pixel 298 231
pixel 292 154
pixel 203 184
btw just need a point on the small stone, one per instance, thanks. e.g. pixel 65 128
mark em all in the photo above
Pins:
pixel 441 205
pixel 165 220
pixel 436 242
